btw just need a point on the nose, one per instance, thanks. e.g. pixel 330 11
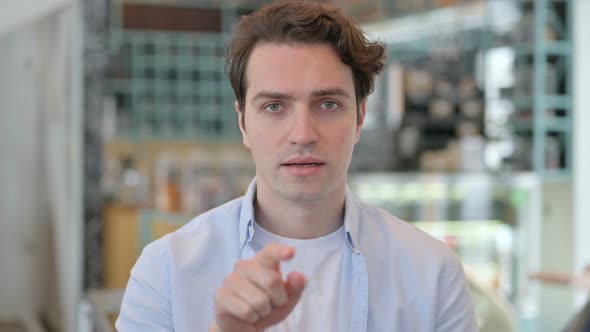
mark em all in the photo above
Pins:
pixel 303 129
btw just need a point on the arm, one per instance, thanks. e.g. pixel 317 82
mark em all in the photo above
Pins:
pixel 146 303
pixel 454 309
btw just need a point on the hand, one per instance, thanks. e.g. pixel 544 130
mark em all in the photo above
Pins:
pixel 255 296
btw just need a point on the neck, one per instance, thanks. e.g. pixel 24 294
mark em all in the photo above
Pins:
pixel 299 220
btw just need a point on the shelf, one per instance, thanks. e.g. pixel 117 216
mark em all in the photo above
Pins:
pixel 556 175
pixel 550 101
pixel 551 125
pixel 421 26
pixel 559 125
pixel 551 48
pixel 546 59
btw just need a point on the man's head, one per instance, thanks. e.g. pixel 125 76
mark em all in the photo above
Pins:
pixel 301 73
pixel 294 22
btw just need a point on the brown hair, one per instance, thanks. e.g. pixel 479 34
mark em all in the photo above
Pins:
pixel 304 22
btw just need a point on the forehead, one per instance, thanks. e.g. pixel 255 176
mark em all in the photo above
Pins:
pixel 296 68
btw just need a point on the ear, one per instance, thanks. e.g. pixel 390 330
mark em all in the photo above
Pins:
pixel 240 113
pixel 360 119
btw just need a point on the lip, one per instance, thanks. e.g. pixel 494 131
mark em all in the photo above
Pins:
pixel 303 166
pixel 300 160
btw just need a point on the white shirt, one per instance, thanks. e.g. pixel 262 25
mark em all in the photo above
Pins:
pixel 320 261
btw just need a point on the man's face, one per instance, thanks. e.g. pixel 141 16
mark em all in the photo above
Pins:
pixel 300 120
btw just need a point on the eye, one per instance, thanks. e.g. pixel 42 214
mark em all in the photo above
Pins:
pixel 329 105
pixel 273 108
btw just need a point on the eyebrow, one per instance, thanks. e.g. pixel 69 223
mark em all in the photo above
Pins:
pixel 272 95
pixel 283 96
pixel 331 92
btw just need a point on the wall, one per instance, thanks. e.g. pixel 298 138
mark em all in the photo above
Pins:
pixel 40 171
pixel 24 215
pixel 581 137
pixel 556 306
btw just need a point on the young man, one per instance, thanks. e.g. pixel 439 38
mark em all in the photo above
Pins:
pixel 298 252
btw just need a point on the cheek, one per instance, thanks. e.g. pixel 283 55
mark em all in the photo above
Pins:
pixel 342 142
pixel 346 135
pixel 261 145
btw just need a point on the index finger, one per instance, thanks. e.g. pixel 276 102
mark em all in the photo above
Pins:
pixel 273 254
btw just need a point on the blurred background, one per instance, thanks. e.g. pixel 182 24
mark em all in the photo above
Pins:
pixel 117 126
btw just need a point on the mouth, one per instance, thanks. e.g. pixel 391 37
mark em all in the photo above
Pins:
pixel 303 164
pixel 300 166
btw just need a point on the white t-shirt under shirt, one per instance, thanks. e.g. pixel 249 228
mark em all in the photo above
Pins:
pixel 320 261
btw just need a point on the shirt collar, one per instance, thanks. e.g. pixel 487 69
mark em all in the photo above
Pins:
pixel 247 214
pixel 351 217
pixel 351 220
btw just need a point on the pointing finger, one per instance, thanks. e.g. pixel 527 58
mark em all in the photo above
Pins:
pixel 273 254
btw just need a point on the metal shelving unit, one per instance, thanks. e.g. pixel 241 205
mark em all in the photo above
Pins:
pixel 176 85
pixel 416 34
pixel 168 84
pixel 545 112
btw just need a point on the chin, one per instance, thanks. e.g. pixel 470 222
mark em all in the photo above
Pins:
pixel 305 192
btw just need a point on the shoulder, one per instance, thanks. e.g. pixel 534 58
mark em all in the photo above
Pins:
pixel 388 233
pixel 216 230
pixel 218 219
pixel 192 260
